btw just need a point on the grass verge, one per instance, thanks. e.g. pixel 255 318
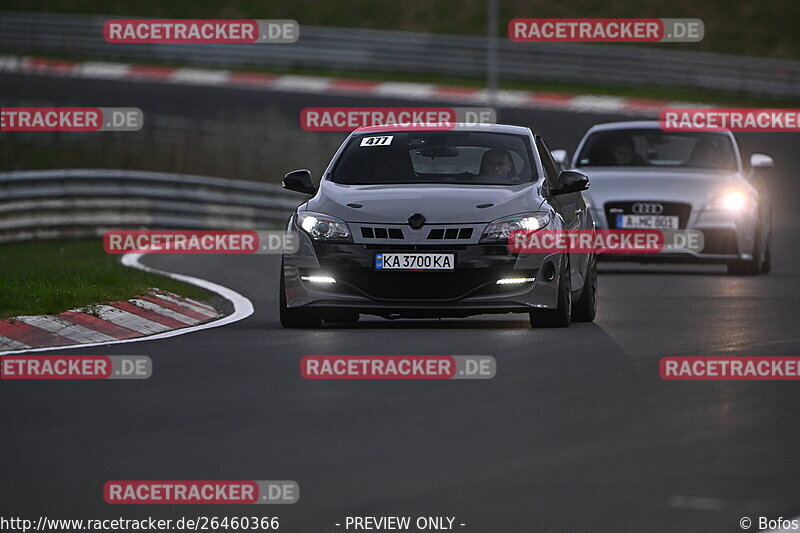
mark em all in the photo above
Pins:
pixel 48 277
pixel 764 28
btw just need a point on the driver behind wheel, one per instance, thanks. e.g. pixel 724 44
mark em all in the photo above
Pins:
pixel 497 163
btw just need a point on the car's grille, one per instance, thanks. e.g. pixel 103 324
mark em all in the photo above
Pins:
pixel 418 285
pixel 450 233
pixel 381 233
pixel 720 241
pixel 681 210
pixel 368 232
pixel 416 247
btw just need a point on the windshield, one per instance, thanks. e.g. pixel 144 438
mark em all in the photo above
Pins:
pixel 469 158
pixel 652 147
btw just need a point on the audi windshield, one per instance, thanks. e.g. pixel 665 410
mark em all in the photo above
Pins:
pixel 467 158
pixel 655 148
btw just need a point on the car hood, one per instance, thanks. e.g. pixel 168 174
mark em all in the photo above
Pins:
pixel 668 185
pixel 438 203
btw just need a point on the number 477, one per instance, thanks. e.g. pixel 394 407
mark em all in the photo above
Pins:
pixel 376 141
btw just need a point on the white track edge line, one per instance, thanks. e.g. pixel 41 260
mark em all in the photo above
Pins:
pixel 242 308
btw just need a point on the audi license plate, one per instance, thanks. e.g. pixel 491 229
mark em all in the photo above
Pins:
pixel 414 261
pixel 647 222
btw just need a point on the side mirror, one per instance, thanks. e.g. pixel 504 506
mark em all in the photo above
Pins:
pixel 570 181
pixel 299 181
pixel 561 158
pixel 761 161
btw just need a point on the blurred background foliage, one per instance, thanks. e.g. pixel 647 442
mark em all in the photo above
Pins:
pixel 765 28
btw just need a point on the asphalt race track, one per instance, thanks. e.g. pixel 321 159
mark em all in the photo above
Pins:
pixel 577 432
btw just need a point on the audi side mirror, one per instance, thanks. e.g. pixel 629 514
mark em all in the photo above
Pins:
pixel 570 181
pixel 299 181
pixel 761 161
pixel 561 157
pixel 761 166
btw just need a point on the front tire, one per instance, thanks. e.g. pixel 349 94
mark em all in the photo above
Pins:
pixel 585 309
pixel 296 318
pixel 743 267
pixel 561 315
pixel 766 266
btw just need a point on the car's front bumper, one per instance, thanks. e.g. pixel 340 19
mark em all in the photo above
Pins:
pixel 471 288
pixel 726 237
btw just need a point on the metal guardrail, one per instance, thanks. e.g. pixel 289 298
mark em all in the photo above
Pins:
pixel 85 203
pixel 392 51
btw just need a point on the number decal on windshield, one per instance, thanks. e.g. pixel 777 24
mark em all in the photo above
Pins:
pixel 386 140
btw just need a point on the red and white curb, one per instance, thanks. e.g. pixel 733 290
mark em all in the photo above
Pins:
pixel 105 323
pixel 587 103
pixel 156 315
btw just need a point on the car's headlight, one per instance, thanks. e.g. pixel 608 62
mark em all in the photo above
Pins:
pixel 734 200
pixel 500 229
pixel 324 227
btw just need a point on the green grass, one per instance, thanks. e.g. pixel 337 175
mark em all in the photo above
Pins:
pixel 18 156
pixel 47 277
pixel 764 28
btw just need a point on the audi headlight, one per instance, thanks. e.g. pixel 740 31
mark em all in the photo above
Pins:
pixel 499 230
pixel 324 227
pixel 735 200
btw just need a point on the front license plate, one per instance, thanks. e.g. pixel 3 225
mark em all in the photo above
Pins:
pixel 414 261
pixel 647 222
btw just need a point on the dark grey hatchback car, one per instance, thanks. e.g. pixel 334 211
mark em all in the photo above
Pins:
pixel 415 223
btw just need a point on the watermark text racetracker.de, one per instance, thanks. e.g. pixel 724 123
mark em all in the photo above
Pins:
pixel 729 368
pixel 730 119
pixel 237 242
pixel 605 30
pixel 624 241
pixel 350 118
pixel 135 492
pixel 219 31
pixel 77 119
pixel 75 367
pixel 398 367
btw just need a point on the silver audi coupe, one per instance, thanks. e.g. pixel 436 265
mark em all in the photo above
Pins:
pixel 644 177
